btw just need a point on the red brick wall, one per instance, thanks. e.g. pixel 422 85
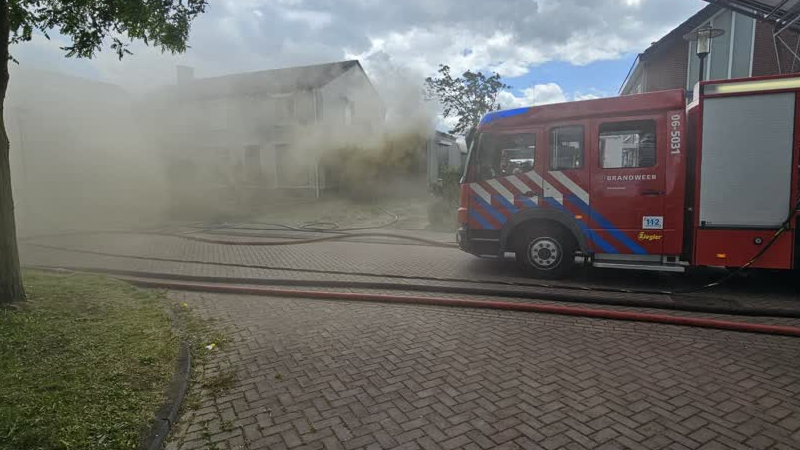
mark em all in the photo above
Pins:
pixel 667 69
pixel 764 60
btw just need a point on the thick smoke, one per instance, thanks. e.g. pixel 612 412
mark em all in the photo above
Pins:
pixel 78 157
pixel 89 155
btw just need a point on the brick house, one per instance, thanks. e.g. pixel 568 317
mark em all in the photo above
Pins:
pixel 746 49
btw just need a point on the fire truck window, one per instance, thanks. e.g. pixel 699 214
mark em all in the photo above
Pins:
pixel 506 154
pixel 626 145
pixel 566 148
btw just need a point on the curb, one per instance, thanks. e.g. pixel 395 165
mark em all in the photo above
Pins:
pixel 167 415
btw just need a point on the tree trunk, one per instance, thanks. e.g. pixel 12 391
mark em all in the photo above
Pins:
pixel 10 276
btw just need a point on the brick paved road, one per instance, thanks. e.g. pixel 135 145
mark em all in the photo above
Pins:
pixel 323 374
pixel 401 260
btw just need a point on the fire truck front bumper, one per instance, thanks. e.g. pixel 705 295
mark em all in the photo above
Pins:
pixel 480 244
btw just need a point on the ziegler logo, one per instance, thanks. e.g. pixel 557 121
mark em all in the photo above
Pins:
pixel 649 237
pixel 675 134
pixel 630 177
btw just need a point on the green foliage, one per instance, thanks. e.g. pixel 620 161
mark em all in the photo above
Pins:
pixel 442 215
pixel 468 97
pixel 448 188
pixel 361 171
pixel 89 23
pixel 83 364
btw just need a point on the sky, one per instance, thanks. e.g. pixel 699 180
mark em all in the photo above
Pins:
pixel 547 50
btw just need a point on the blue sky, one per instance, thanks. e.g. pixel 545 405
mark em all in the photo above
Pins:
pixel 599 78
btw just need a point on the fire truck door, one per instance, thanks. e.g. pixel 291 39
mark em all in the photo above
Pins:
pixel 628 186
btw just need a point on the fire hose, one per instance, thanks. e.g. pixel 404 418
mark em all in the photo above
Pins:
pixel 695 322
pixel 562 310
pixel 786 225
pixel 554 295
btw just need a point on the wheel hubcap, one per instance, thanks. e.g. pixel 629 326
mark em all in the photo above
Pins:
pixel 544 253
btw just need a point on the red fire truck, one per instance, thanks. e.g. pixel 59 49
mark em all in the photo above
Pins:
pixel 641 181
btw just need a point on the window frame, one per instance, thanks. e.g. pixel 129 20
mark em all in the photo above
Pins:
pixel 601 151
pixel 487 138
pixel 551 141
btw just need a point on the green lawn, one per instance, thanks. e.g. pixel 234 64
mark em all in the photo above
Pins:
pixel 83 364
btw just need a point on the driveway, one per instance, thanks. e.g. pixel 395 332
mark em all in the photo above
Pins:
pixel 331 374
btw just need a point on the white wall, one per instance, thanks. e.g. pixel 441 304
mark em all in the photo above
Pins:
pixel 355 87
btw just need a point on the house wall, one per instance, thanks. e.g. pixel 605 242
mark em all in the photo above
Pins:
pixel 284 134
pixel 243 140
pixel 350 113
pixel 765 62
pixel 668 69
pixel 442 151
pixel 352 87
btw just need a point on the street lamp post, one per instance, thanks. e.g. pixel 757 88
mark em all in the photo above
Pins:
pixel 703 36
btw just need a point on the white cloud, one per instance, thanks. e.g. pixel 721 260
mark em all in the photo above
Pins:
pixel 313 19
pixel 540 94
pixel 544 94
pixel 579 96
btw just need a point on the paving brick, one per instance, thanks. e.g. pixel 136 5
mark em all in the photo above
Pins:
pixel 436 377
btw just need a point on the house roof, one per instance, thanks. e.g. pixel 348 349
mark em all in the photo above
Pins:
pixel 275 81
pixel 783 14
pixel 669 39
pixel 676 35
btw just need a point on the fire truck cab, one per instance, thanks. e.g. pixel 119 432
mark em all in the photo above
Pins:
pixel 639 182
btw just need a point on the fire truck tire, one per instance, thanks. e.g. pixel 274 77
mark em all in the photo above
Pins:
pixel 546 251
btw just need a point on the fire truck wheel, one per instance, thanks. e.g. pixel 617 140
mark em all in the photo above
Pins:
pixel 546 252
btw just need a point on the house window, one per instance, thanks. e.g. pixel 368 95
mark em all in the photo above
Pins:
pixel 349 112
pixel 291 167
pixel 304 108
pixel 284 107
pixel 566 147
pixel 742 54
pixel 443 156
pixel 721 47
pixel 318 104
pixel 628 144
pixel 252 162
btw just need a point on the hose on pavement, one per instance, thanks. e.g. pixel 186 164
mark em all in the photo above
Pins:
pixel 559 295
pixel 483 304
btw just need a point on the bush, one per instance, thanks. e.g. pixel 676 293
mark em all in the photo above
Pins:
pixel 448 187
pixel 443 214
